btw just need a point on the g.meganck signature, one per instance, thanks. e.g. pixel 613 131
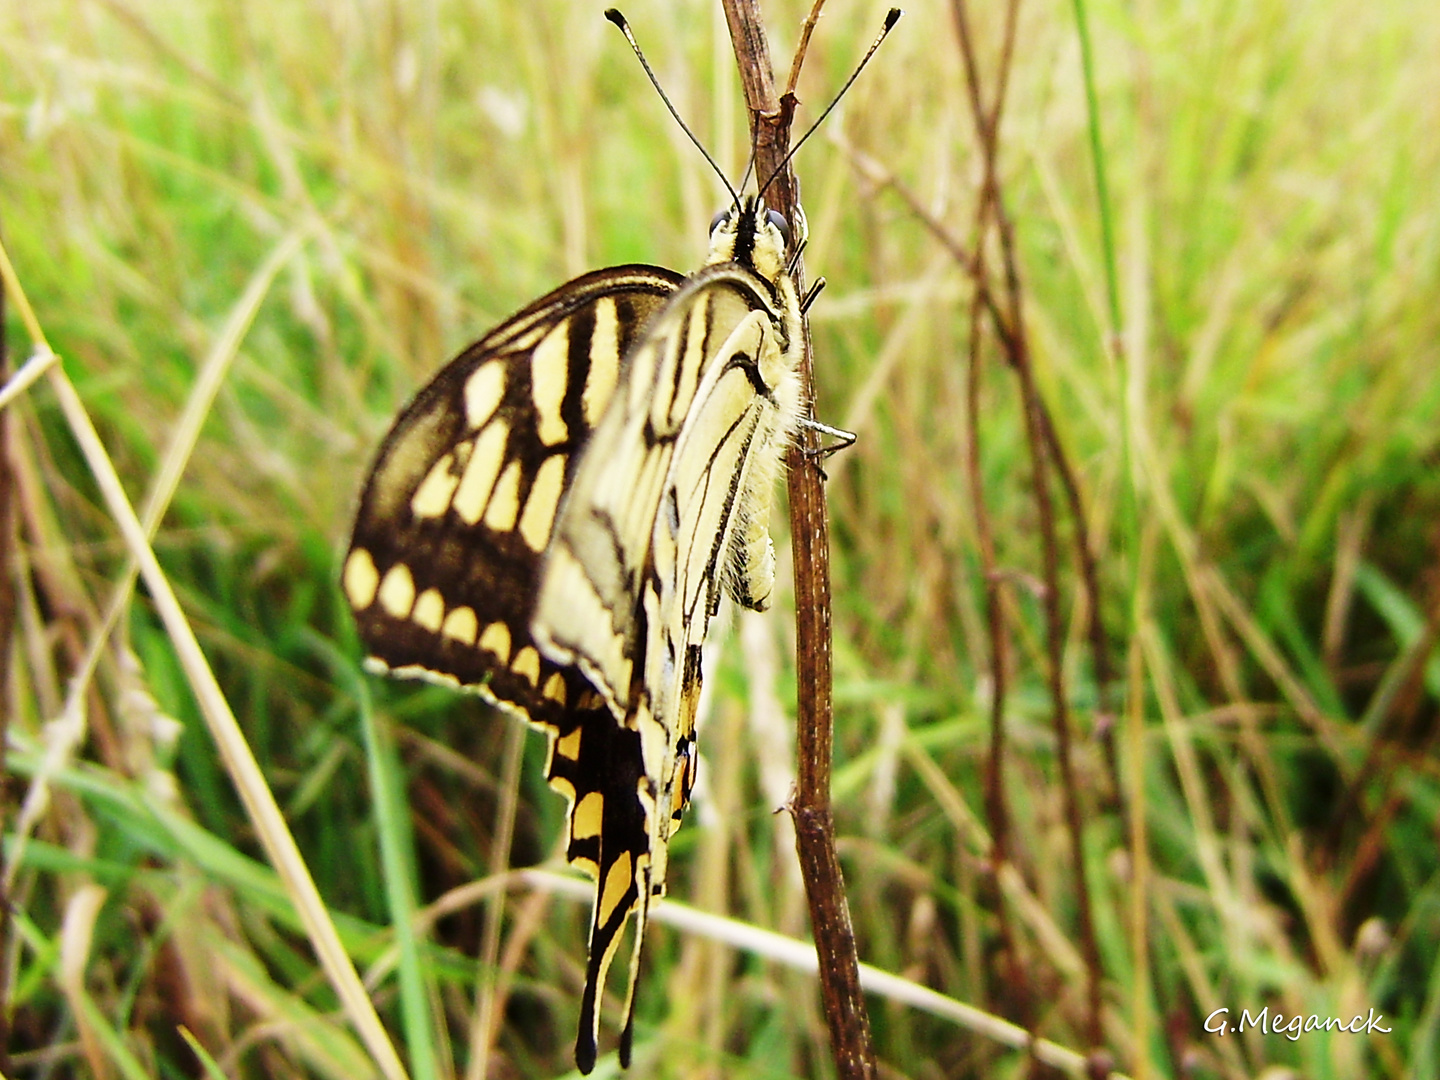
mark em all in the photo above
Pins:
pixel 1218 1023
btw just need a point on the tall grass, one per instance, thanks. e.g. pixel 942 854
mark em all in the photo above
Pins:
pixel 255 229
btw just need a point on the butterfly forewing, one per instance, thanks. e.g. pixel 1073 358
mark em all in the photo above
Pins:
pixel 456 513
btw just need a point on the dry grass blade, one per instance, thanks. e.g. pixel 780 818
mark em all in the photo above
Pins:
pixel 250 783
pixel 800 956
pixel 269 823
pixel 28 374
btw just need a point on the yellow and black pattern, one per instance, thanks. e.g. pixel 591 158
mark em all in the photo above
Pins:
pixel 445 557
pixel 671 503
pixel 551 521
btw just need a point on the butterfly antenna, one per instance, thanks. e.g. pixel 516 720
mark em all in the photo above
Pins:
pixel 613 14
pixel 890 20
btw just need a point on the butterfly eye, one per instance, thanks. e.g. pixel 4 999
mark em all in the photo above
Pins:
pixel 777 219
pixel 723 215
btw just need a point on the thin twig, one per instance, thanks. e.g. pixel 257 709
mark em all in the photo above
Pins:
pixel 1045 453
pixel 987 125
pixel 801 49
pixel 810 539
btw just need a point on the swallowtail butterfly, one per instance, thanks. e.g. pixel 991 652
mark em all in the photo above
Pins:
pixel 552 521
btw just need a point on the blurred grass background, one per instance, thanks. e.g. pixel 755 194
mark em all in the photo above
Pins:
pixel 388 181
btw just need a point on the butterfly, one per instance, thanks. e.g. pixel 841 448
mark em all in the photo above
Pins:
pixel 553 521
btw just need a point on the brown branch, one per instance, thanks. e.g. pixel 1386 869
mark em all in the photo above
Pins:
pixel 996 806
pixel 810 539
pixel 1095 627
pixel 800 50
pixel 1045 453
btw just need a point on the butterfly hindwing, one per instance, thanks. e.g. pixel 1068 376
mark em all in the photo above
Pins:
pixel 598 765
pixel 670 504
pixel 712 529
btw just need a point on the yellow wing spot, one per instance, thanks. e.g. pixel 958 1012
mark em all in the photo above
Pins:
pixel 397 591
pixel 496 639
pixel 617 882
pixel 677 796
pixel 527 663
pixel 461 625
pixel 549 376
pixel 564 787
pixel 555 690
pixel 540 507
pixel 429 610
pixel 360 579
pixel 483 391
pixel 432 497
pixel 588 700
pixel 589 866
pixel 585 821
pixel 604 361
pixel 481 471
pixel 569 746
pixel 668 410
pixel 505 500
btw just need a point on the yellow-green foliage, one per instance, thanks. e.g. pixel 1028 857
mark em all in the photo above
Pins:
pixel 1256 446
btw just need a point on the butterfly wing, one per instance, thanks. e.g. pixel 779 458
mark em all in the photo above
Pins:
pixel 712 529
pixel 590 589
pixel 550 522
pixel 444 561
pixel 457 509
pixel 629 580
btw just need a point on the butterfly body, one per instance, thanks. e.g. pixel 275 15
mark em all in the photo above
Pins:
pixel 553 520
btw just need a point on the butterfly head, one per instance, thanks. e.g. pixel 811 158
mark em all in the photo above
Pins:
pixel 752 235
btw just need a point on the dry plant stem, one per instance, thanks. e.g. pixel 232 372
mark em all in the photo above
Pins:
pixel 1044 453
pixel 839 967
pixel 996 806
pixel 800 50
pixel 1090 583
pixel 972 263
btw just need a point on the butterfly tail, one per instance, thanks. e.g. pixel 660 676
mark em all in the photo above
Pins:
pixel 616 896
pixel 597 764
pixel 627 1033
